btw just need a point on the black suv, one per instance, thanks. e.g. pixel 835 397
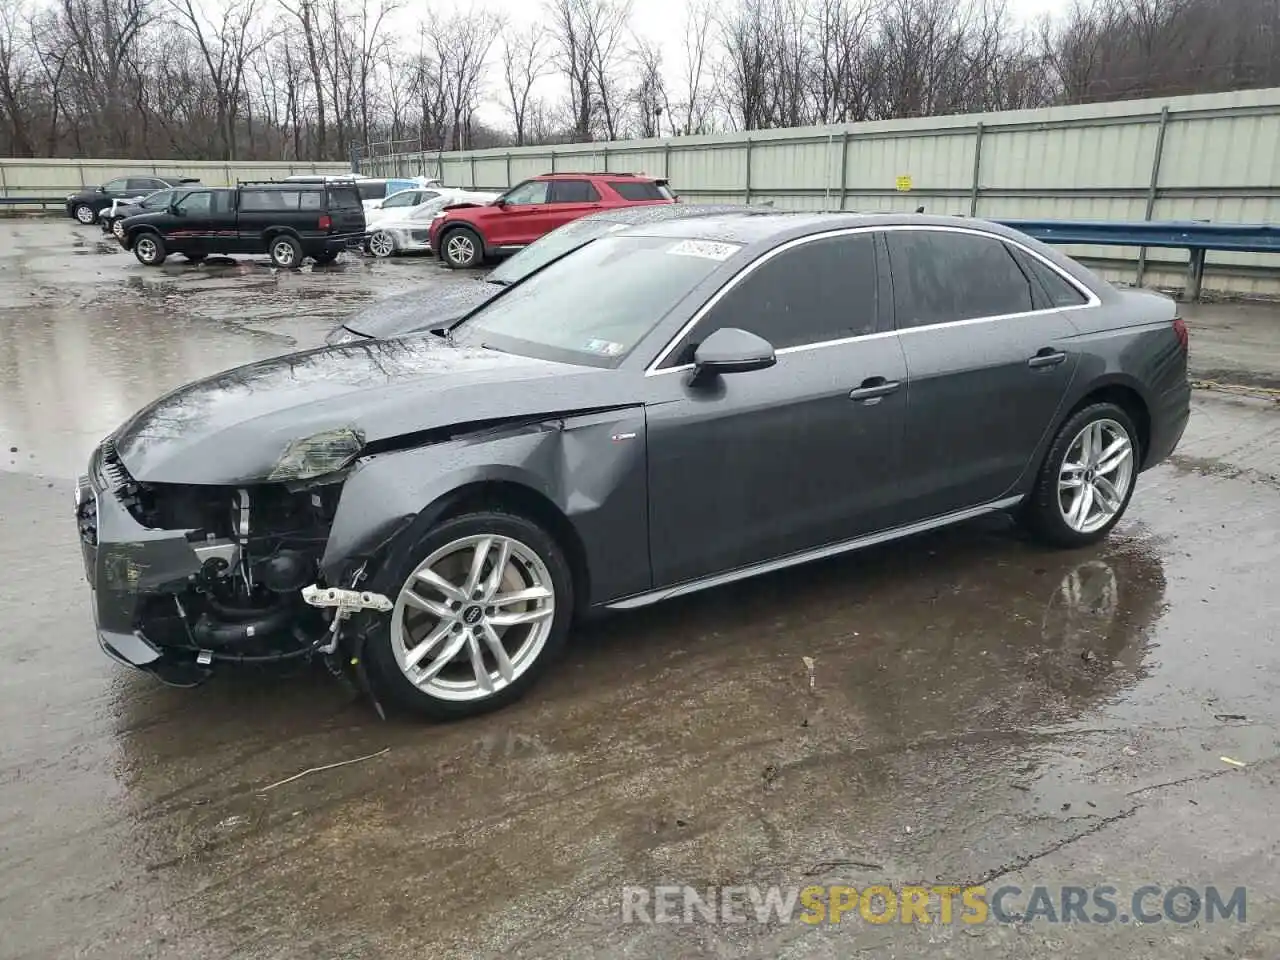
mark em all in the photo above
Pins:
pixel 91 201
pixel 288 221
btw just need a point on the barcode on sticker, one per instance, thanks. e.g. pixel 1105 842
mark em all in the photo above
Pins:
pixel 710 249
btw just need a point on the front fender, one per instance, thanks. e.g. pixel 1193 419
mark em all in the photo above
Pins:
pixel 592 468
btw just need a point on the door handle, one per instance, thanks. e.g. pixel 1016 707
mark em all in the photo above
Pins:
pixel 873 388
pixel 1046 357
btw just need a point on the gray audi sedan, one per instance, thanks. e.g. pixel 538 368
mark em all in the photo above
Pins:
pixel 671 407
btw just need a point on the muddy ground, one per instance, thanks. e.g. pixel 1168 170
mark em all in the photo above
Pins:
pixel 981 711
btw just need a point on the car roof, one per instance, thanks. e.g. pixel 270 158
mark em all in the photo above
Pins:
pixel 658 212
pixel 779 226
pixel 597 174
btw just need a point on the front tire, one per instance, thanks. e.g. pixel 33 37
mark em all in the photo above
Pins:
pixel 463 248
pixel 286 252
pixel 85 213
pixel 149 249
pixel 1087 478
pixel 484 606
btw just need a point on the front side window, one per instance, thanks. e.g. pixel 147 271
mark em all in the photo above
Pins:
pixel 158 200
pixel 531 191
pixel 593 306
pixel 943 276
pixel 814 292
pixel 196 204
pixel 573 191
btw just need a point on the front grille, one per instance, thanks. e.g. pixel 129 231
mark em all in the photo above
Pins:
pixel 87 520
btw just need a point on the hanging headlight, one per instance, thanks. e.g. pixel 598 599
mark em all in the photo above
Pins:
pixel 317 455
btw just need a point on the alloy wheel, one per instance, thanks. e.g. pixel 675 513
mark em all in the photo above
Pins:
pixel 460 249
pixel 381 244
pixel 473 617
pixel 117 227
pixel 1094 480
pixel 84 214
pixel 146 249
pixel 282 253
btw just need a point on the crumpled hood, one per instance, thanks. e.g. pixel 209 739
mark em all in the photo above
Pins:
pixel 232 428
pixel 424 308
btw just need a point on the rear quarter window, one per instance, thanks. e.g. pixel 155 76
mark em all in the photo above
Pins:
pixel 343 198
pixel 639 190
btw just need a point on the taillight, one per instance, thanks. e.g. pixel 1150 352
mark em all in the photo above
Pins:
pixel 1180 330
pixel 326 221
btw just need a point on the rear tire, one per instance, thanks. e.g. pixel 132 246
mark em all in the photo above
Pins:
pixel 465 627
pixel 462 248
pixel 1087 478
pixel 382 244
pixel 149 249
pixel 285 252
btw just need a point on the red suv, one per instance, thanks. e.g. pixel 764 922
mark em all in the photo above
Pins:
pixel 465 236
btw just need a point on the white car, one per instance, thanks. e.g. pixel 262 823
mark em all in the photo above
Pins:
pixel 405 229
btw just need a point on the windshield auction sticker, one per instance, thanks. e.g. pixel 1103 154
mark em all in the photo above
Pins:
pixel 708 249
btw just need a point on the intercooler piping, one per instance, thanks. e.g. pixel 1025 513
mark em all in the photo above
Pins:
pixel 210 634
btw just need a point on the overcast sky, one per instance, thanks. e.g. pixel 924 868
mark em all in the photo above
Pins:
pixel 661 21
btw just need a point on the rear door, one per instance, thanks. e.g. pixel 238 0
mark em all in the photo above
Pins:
pixel 568 200
pixel 346 212
pixel 989 361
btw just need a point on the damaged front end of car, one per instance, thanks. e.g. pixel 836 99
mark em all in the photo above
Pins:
pixel 186 576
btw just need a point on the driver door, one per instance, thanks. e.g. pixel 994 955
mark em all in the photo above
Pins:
pixel 523 212
pixel 748 467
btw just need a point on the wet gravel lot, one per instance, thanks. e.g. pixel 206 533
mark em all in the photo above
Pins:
pixel 981 710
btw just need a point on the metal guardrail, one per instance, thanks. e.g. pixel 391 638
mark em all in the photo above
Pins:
pixel 1195 236
pixel 43 202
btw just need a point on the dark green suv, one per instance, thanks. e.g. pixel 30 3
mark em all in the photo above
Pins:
pixel 286 221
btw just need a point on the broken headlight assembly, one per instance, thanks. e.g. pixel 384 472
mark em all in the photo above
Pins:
pixel 315 456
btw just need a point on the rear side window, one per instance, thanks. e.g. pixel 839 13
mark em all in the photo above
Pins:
pixel 573 191
pixel 818 291
pixel 1058 291
pixel 343 198
pixel 639 190
pixel 942 276
pixel 258 200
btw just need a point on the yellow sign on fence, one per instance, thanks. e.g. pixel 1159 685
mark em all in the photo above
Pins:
pixel 904 183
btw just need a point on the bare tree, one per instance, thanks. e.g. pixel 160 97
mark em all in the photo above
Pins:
pixel 526 59
pixel 696 105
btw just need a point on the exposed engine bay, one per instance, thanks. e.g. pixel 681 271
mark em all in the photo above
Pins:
pixel 250 590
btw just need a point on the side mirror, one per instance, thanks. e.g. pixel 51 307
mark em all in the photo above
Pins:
pixel 731 350
pixel 500 202
pixel 174 211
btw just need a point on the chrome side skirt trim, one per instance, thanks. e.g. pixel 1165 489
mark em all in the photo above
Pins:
pixel 820 553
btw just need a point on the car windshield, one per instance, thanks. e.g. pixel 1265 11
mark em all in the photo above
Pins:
pixel 550 247
pixel 594 305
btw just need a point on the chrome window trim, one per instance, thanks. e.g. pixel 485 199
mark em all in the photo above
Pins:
pixel 1091 298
